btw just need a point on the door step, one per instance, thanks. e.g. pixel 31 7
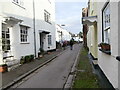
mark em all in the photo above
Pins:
pixel 12 64
pixel 13 67
pixel 95 62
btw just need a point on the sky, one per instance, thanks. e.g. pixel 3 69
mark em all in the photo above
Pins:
pixel 69 13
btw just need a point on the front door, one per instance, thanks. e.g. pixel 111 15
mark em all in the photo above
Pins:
pixel 5 41
pixel 41 41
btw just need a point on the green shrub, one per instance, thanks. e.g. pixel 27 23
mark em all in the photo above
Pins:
pixel 22 60
pixel 31 57
pixel 26 59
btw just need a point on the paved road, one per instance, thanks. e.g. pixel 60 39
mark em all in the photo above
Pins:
pixel 54 74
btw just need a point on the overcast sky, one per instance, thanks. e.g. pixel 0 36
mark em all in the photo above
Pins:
pixel 69 12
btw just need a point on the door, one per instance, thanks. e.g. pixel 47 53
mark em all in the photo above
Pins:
pixel 6 47
pixel 41 41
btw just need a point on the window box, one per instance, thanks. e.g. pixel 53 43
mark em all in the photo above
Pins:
pixel 105 48
pixel 104 51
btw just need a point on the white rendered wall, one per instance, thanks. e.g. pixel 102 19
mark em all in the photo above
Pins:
pixel 108 63
pixel 10 9
pixel 65 34
pixel 40 6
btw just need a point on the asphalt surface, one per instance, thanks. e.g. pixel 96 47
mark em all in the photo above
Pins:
pixel 52 75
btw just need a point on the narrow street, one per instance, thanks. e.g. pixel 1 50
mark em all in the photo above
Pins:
pixel 54 74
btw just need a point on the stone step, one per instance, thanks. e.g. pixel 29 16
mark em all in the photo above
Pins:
pixel 12 62
pixel 13 67
pixel 95 62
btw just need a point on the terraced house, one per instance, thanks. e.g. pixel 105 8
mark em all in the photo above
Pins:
pixel 25 27
pixel 103 37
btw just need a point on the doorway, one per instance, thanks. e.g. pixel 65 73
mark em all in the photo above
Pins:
pixel 41 41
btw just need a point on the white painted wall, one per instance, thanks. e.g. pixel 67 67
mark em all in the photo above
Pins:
pixel 40 6
pixel 119 46
pixel 108 63
pixel 25 13
pixel 65 34
pixel 10 9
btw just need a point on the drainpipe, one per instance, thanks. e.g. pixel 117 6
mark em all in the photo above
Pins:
pixel 34 28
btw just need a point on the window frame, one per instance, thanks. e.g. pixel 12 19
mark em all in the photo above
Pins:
pixel 19 3
pixel 24 33
pixel 49 40
pixel 47 17
pixel 104 28
pixel 5 45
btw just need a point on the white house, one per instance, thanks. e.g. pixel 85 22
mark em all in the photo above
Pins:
pixel 25 27
pixel 105 29
pixel 62 34
pixel 108 32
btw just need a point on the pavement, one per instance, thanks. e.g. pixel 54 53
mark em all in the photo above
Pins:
pixel 13 76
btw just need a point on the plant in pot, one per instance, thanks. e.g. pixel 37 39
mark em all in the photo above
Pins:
pixel 22 60
pixel 41 52
pixel 104 46
pixel 3 68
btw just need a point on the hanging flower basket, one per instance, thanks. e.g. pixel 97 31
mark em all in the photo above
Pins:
pixel 104 46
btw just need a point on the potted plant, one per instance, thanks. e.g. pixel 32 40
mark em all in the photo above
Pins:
pixel 41 52
pixel 104 46
pixel 3 68
pixel 22 60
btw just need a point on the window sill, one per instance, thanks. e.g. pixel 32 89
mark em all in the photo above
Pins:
pixel 24 43
pixel 48 22
pixel 18 5
pixel 118 58
pixel 106 52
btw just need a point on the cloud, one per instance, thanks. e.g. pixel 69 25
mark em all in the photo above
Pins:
pixel 70 14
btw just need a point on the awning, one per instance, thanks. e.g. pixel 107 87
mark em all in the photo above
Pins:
pixel 10 21
pixel 45 32
pixel 25 25
pixel 91 20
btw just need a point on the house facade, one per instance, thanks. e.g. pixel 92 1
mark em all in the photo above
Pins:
pixel 62 34
pixel 108 31
pixel 105 32
pixel 25 27
pixel 85 27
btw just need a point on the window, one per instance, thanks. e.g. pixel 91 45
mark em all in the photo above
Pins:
pixel 106 23
pixel 49 40
pixel 47 17
pixel 24 34
pixel 5 39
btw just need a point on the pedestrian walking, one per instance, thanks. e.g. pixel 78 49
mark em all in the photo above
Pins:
pixel 64 44
pixel 71 43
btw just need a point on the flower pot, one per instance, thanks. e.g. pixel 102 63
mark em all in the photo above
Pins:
pixel 105 47
pixel 48 53
pixel 3 68
pixel 40 56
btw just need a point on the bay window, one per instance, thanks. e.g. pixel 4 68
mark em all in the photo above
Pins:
pixel 106 23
